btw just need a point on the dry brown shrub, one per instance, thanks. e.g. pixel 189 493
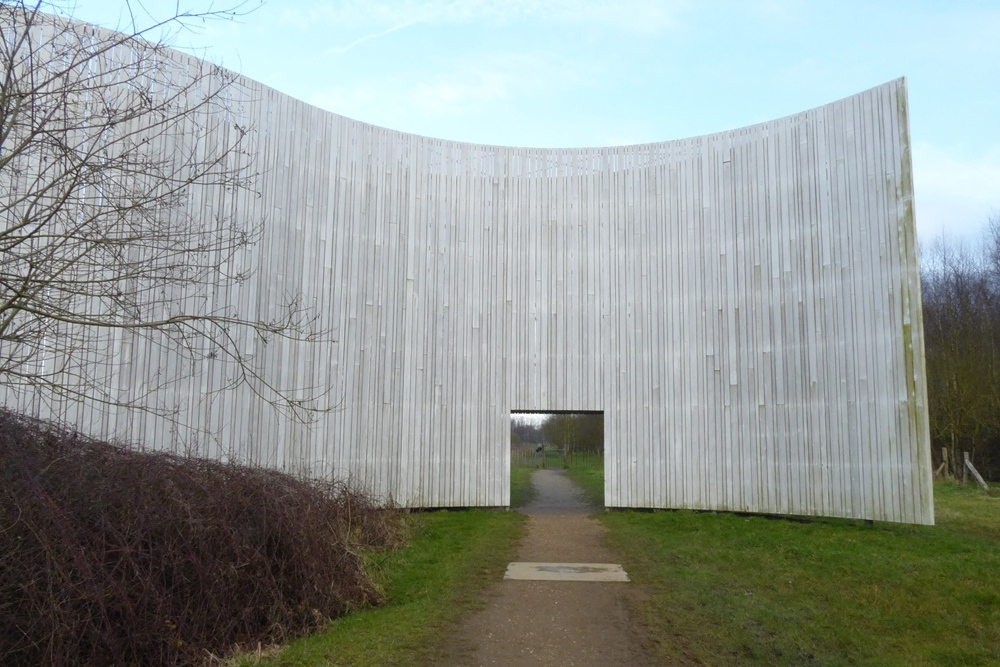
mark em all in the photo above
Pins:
pixel 109 556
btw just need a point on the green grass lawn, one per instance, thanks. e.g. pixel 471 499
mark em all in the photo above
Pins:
pixel 590 479
pixel 721 589
pixel 749 590
pixel 452 558
pixel 521 491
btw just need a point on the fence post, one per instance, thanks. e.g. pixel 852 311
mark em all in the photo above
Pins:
pixel 975 473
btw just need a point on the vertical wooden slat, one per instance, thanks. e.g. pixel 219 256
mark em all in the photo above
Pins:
pixel 743 307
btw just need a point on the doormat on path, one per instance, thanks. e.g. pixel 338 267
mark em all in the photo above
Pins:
pixel 565 572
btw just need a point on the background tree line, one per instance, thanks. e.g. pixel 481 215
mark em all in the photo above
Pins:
pixel 576 433
pixel 525 433
pixel 961 304
pixel 580 432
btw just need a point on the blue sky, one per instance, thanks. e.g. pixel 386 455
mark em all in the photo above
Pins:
pixel 568 73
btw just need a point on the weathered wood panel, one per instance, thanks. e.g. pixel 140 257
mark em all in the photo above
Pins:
pixel 744 307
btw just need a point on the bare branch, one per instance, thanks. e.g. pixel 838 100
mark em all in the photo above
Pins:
pixel 108 151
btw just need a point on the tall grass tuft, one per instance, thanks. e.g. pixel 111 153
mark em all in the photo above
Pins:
pixel 110 556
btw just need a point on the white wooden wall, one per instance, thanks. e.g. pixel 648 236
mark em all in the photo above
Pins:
pixel 744 307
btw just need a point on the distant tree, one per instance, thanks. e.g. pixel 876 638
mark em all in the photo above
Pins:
pixel 559 431
pixel 579 432
pixel 961 305
pixel 523 431
pixel 102 142
pixel 590 432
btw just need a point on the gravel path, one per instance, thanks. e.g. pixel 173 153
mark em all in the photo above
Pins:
pixel 572 624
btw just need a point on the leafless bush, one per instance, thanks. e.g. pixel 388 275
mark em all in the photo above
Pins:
pixel 110 556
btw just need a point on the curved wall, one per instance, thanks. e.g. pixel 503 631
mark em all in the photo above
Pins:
pixel 744 308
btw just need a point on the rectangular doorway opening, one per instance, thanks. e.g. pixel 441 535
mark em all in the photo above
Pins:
pixel 557 440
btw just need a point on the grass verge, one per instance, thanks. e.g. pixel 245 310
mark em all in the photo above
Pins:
pixel 590 480
pixel 521 490
pixel 748 590
pixel 430 585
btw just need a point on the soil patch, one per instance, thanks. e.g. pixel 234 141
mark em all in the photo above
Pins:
pixel 565 623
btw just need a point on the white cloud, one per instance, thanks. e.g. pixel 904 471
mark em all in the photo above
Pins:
pixel 642 16
pixel 646 16
pixel 366 38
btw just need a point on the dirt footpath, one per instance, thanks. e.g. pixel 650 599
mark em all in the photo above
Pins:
pixel 565 623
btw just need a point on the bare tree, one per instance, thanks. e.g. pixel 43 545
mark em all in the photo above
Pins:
pixel 107 151
pixel 961 304
pixel 581 432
